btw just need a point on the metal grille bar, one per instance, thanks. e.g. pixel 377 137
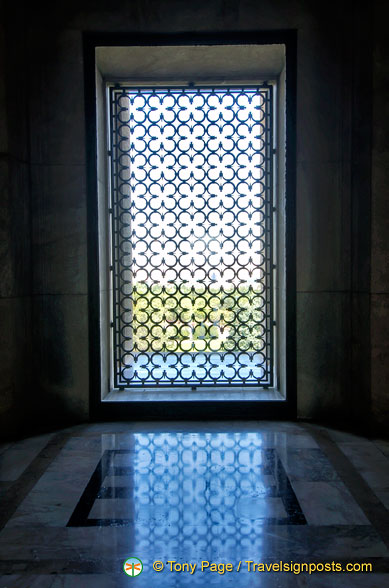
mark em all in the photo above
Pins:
pixel 191 226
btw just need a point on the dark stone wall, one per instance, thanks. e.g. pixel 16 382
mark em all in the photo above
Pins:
pixel 342 312
pixel 380 223
pixel 15 237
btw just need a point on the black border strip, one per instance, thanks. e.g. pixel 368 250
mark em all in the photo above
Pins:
pixel 20 489
pixel 100 410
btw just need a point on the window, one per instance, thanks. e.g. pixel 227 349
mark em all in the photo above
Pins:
pixel 191 216
pixel 192 205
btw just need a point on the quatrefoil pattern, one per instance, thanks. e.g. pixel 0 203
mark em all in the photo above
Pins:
pixel 192 234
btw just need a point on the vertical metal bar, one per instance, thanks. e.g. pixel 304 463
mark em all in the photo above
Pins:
pixel 270 142
pixel 115 277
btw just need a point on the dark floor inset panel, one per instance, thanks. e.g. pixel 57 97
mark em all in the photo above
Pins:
pixel 197 481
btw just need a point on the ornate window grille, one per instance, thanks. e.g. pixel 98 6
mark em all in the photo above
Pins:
pixel 191 219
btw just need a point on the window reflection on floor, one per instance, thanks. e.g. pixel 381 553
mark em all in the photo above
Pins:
pixel 191 492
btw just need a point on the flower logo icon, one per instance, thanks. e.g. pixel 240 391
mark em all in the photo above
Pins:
pixel 132 566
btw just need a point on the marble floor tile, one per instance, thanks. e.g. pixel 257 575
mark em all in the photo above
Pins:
pixel 354 580
pixel 18 456
pixel 4 447
pixel 125 459
pixel 121 508
pixel 87 444
pixel 265 491
pixel 145 580
pixel 53 498
pixel 341 436
pixel 118 482
pixel 196 427
pixel 283 439
pixel 383 446
pixel 4 487
pixel 30 443
pixel 328 503
pixel 256 507
pixel 168 580
pixel 370 462
pixel 307 464
pixel 62 581
pixel 251 508
pixel 156 541
pixel 383 496
pixel 65 543
pixel 13 464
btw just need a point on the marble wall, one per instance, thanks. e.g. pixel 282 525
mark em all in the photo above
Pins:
pixel 336 335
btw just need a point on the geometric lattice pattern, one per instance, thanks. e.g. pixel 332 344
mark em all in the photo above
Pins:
pixel 196 486
pixel 191 224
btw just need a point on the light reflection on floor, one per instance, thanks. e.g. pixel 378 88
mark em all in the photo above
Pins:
pixel 190 493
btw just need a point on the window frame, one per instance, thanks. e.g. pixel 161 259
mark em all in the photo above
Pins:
pixel 268 91
pixel 250 408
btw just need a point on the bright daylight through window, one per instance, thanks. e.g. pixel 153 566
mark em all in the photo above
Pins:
pixel 192 236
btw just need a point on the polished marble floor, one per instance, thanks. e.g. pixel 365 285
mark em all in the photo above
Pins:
pixel 75 504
